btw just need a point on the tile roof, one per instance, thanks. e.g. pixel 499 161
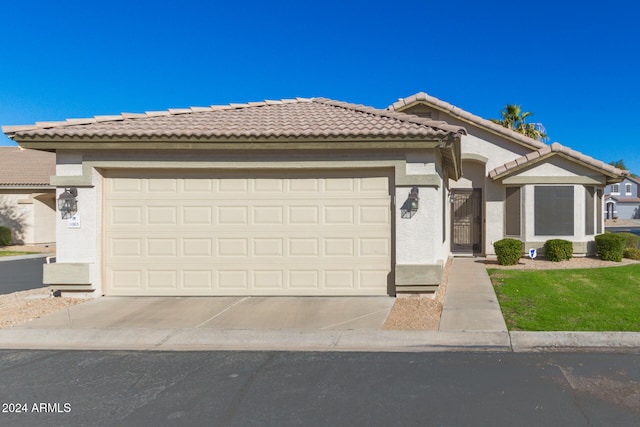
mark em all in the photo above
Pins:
pixel 26 168
pixel 549 150
pixel 300 118
pixel 634 179
pixel 466 116
pixel 627 199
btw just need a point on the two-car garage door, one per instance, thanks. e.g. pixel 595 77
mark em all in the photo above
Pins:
pixel 206 233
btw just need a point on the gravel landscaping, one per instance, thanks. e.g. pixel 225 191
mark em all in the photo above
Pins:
pixel 22 307
pixel 542 264
pixel 419 311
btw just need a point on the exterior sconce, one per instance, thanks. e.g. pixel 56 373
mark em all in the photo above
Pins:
pixel 410 206
pixel 67 203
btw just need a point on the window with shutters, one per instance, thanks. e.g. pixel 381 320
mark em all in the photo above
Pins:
pixel 512 211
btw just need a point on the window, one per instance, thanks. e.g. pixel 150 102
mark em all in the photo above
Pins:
pixel 589 195
pixel 627 189
pixel 512 211
pixel 615 188
pixel 553 210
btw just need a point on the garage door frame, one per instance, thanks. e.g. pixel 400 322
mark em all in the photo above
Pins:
pixel 387 173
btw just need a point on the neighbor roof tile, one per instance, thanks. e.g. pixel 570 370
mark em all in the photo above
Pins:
pixel 26 168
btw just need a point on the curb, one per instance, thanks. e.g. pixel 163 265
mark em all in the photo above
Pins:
pixel 586 341
pixel 200 339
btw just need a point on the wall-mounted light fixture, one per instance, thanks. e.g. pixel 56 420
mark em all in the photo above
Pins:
pixel 410 206
pixel 67 203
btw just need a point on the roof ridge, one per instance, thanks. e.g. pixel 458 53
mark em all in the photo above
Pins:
pixel 153 113
pixel 457 111
pixel 435 124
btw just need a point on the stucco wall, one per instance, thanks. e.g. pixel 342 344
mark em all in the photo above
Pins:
pixel 44 205
pixel 485 151
pixel 628 210
pixel 29 214
pixel 418 241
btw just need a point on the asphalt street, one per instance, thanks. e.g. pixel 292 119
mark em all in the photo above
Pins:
pixel 21 275
pixel 318 389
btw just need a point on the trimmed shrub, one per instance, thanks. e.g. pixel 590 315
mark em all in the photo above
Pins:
pixel 558 250
pixel 631 240
pixel 610 246
pixel 5 236
pixel 508 251
pixel 632 253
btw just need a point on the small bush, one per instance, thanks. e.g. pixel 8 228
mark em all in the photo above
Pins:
pixel 558 250
pixel 508 251
pixel 631 240
pixel 610 246
pixel 632 253
pixel 5 236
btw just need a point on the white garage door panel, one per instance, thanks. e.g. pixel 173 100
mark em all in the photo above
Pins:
pixel 195 235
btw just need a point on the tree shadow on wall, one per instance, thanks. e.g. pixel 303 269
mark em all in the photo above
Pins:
pixel 11 216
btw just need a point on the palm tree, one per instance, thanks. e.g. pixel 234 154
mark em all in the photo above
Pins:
pixel 515 119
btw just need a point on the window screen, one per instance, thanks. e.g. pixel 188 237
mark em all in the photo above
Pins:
pixel 588 209
pixel 553 210
pixel 512 214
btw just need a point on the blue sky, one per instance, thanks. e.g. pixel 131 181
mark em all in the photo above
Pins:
pixel 576 67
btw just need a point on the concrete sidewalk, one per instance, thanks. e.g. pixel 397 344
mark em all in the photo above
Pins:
pixel 470 303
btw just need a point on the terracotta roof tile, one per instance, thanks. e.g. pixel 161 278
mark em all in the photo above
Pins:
pixel 299 117
pixel 26 168
pixel 548 150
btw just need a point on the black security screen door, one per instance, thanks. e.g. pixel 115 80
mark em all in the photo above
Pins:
pixel 466 219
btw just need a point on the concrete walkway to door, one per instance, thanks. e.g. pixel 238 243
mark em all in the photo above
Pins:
pixel 470 303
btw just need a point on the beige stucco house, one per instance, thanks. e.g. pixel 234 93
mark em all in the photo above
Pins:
pixel 303 197
pixel 27 199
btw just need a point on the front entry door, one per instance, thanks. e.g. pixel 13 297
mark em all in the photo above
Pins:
pixel 466 220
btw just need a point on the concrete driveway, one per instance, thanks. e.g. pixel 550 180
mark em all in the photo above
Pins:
pixel 301 313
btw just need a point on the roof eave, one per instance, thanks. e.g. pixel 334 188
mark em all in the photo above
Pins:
pixel 7 186
pixel 257 142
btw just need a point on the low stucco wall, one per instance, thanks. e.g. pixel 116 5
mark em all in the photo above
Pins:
pixel 31 216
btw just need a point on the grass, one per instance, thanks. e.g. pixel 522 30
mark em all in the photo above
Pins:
pixel 12 253
pixel 594 299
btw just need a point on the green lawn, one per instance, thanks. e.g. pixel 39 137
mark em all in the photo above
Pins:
pixel 595 299
pixel 12 253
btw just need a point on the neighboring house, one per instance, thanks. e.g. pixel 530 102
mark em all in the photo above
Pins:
pixel 304 197
pixel 27 199
pixel 622 200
